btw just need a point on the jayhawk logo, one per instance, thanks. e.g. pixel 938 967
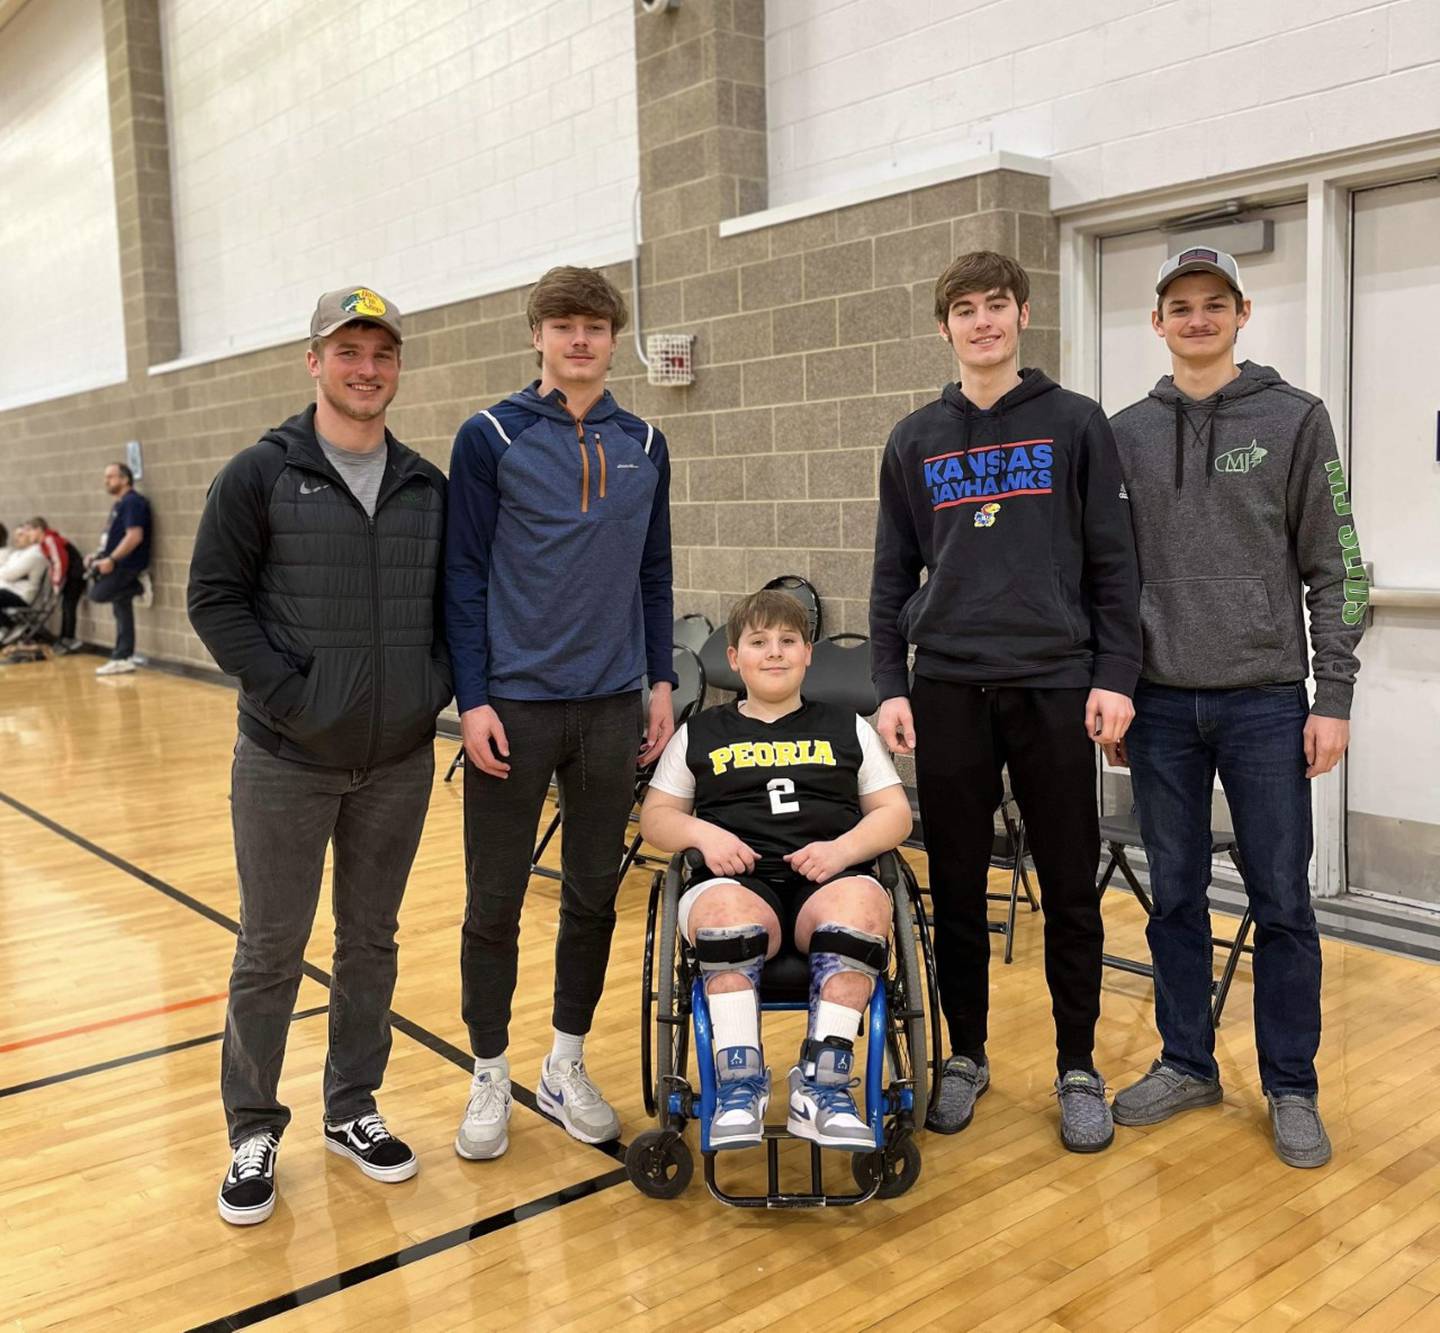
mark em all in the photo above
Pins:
pixel 985 515
pixel 363 301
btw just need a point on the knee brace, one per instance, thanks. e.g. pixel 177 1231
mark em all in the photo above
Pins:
pixel 739 949
pixel 840 948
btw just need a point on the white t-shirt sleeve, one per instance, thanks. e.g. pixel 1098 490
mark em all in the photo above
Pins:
pixel 672 774
pixel 877 771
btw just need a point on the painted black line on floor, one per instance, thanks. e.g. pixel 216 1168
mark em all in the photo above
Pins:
pixel 351 1277
pixel 189 1044
pixel 432 1041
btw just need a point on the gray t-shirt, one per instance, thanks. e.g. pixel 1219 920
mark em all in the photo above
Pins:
pixel 360 472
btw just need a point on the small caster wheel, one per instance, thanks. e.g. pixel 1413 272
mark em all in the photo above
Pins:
pixel 896 1167
pixel 659 1164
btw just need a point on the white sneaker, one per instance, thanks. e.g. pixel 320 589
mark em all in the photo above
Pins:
pixel 484 1132
pixel 116 666
pixel 146 596
pixel 569 1095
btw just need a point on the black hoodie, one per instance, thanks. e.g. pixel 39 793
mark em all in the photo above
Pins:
pixel 1018 514
pixel 330 619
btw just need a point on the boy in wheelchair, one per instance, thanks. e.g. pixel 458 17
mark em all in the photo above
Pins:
pixel 789 801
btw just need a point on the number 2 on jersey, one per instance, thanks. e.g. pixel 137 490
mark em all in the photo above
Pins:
pixel 779 788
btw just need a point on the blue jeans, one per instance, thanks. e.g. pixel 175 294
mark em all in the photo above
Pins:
pixel 119 587
pixel 1254 739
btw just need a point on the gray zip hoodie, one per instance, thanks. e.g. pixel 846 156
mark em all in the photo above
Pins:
pixel 1236 500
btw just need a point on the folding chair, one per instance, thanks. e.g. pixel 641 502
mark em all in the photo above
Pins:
pixel 1123 830
pixel 20 638
pixel 1014 857
pixel 692 630
pixel 688 695
pixel 803 591
pixel 840 673
pixel 713 658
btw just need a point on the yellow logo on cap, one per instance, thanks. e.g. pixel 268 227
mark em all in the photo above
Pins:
pixel 363 301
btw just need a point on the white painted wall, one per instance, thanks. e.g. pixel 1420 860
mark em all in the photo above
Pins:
pixel 1122 95
pixel 431 149
pixel 1132 358
pixel 59 242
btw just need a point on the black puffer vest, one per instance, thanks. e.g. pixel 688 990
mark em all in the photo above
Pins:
pixel 350 602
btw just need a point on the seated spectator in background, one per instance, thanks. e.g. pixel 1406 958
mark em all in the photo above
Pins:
pixel 67 576
pixel 22 573
pixel 121 563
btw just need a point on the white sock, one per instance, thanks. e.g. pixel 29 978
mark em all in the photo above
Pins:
pixel 834 1020
pixel 497 1066
pixel 566 1047
pixel 735 1019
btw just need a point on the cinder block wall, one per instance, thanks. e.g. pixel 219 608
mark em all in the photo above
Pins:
pixel 813 338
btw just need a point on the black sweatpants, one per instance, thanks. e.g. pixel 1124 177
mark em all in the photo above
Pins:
pixel 965 735
pixel 591 746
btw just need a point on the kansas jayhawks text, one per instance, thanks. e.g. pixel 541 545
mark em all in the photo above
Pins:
pixel 765 754
pixel 991 472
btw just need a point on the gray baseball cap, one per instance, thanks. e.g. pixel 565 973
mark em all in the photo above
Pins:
pixel 1199 259
pixel 336 309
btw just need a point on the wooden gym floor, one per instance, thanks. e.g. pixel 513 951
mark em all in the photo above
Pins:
pixel 117 904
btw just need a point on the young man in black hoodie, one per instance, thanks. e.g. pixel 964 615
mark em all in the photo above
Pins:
pixel 1239 498
pixel 1006 490
pixel 316 581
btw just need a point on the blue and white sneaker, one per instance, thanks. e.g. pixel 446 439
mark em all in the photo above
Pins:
pixel 821 1107
pixel 569 1096
pixel 743 1094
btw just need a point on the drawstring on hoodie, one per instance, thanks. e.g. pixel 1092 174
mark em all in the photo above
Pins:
pixel 1180 420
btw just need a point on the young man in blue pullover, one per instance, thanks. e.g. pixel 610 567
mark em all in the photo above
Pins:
pixel 558 598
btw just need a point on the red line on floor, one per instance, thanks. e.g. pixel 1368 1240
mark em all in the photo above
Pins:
pixel 112 1022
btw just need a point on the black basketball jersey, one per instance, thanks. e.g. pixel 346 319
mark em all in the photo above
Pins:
pixel 776 785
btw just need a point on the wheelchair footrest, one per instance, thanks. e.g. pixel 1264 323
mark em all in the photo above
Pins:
pixel 775 1197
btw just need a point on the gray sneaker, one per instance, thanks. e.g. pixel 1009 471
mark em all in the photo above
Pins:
pixel 569 1095
pixel 822 1109
pixel 742 1096
pixel 1085 1123
pixel 1163 1092
pixel 962 1082
pixel 1300 1138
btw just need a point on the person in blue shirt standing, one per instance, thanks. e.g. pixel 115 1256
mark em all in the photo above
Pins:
pixel 558 605
pixel 120 567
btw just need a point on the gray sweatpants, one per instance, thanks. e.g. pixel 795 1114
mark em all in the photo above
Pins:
pixel 285 815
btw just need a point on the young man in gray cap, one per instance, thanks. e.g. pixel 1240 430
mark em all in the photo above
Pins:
pixel 316 581
pixel 1238 496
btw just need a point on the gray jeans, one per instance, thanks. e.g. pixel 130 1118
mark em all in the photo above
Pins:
pixel 285 815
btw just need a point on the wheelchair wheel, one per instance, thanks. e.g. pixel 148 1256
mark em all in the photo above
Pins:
pixel 647 997
pixel 911 995
pixel 664 997
pixel 897 1168
pixel 659 1164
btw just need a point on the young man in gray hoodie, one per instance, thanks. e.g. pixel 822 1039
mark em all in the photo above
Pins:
pixel 1237 494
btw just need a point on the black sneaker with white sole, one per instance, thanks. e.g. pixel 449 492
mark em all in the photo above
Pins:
pixel 247 1194
pixel 373 1148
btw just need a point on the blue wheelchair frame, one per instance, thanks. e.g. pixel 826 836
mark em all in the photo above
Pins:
pixel 658 1161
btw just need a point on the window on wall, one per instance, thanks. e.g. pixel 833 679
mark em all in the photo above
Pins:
pixel 1132 358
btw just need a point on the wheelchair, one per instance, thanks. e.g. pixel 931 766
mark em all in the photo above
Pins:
pixel 903 1035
